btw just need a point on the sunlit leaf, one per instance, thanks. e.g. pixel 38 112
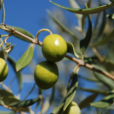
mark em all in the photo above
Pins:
pixel 18 74
pixel 25 58
pixel 85 42
pixel 70 49
pixel 106 102
pixel 88 100
pixel 85 11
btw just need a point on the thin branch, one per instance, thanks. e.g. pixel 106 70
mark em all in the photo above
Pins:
pixel 80 62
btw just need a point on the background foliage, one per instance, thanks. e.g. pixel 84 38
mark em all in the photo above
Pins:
pixel 91 35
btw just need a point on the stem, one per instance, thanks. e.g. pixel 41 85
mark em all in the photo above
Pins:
pixel 39 43
pixel 80 62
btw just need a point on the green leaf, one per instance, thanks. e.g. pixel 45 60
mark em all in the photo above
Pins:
pixel 93 90
pixel 105 40
pixel 74 4
pixel 69 97
pixel 52 95
pixel 102 26
pixel 112 0
pixel 1 3
pixel 106 102
pixel 23 31
pixel 71 92
pixel 25 58
pixel 18 74
pixel 85 42
pixel 105 80
pixel 7 97
pixel 58 109
pixel 85 11
pixel 6 112
pixel 3 14
pixel 61 25
pixel 70 49
pixel 24 103
pixel 88 100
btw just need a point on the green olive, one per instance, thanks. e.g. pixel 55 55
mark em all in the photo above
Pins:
pixel 3 70
pixel 72 109
pixel 54 47
pixel 46 74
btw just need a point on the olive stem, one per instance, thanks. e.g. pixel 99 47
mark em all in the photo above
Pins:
pixel 39 33
pixel 78 61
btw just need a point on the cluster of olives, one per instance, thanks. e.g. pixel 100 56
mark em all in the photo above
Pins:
pixel 54 49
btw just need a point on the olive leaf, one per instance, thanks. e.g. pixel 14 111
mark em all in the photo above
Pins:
pixel 22 31
pixel 105 80
pixel 69 97
pixel 106 102
pixel 70 49
pixel 85 42
pixel 88 100
pixel 1 3
pixel 3 14
pixel 25 103
pixel 18 74
pixel 85 11
pixel 25 58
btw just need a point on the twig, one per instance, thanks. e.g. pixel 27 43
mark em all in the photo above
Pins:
pixel 80 62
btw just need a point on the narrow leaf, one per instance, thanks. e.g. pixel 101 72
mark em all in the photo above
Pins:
pixel 58 109
pixel 1 3
pixel 93 90
pixel 107 101
pixel 3 14
pixel 88 100
pixel 6 112
pixel 18 74
pixel 74 4
pixel 70 49
pixel 105 80
pixel 85 42
pixel 25 58
pixel 102 26
pixel 24 103
pixel 23 31
pixel 71 92
pixel 7 97
pixel 105 40
pixel 85 11
pixel 61 25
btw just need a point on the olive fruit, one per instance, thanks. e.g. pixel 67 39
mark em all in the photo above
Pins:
pixel 46 74
pixel 3 70
pixel 54 47
pixel 72 109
